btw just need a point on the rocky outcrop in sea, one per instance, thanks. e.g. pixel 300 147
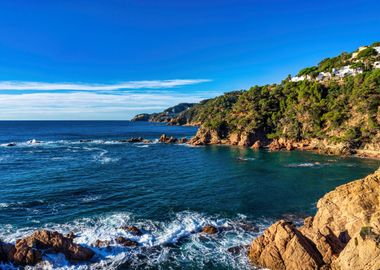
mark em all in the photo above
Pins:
pixel 206 136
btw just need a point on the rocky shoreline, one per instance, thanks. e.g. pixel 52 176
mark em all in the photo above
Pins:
pixel 344 233
pixel 206 136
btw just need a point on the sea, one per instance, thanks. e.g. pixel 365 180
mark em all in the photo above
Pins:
pixel 81 177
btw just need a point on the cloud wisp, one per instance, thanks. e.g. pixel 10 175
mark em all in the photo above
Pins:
pixel 88 105
pixel 47 86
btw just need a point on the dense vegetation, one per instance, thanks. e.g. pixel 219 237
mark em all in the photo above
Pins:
pixel 345 110
pixel 339 110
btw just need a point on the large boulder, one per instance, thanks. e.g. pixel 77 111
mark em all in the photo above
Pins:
pixel 209 229
pixel 350 207
pixel 283 247
pixel 26 253
pixel 205 136
pixel 27 249
pixel 343 235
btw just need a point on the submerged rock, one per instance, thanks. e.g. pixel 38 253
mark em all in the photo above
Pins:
pixel 183 140
pixel 135 140
pixel 237 249
pixel 132 229
pixel 11 144
pixel 101 243
pixel 209 229
pixel 126 242
pixel 256 145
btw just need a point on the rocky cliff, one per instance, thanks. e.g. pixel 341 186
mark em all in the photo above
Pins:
pixel 344 234
pixel 171 115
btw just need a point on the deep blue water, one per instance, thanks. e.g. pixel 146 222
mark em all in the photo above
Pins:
pixel 95 187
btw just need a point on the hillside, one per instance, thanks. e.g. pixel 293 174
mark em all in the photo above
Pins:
pixel 333 107
pixel 165 116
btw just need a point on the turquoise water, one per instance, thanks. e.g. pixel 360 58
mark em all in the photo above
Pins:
pixel 95 187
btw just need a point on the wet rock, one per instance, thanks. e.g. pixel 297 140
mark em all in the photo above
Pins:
pixel 126 242
pixel 101 243
pixel 27 249
pixel 274 145
pixel 163 138
pixel 237 249
pixel 133 230
pixel 70 235
pixel 289 146
pixel 26 253
pixel 209 229
pixel 172 140
pixel 135 140
pixel 11 144
pixel 147 141
pixel 183 140
pixel 166 139
pixel 6 252
pixel 84 141
pixel 256 145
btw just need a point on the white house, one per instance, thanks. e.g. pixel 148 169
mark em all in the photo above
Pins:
pixel 376 64
pixel 323 75
pixel 377 49
pixel 300 78
pixel 346 71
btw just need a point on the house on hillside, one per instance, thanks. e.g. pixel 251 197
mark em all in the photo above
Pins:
pixel 323 76
pixel 377 49
pixel 346 71
pixel 376 64
pixel 300 78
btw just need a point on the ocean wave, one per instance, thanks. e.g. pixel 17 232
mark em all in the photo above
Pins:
pixel 143 146
pixel 306 165
pixel 173 242
pixel 22 204
pixel 245 159
pixel 91 198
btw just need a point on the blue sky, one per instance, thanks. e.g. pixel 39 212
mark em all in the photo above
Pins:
pixel 112 59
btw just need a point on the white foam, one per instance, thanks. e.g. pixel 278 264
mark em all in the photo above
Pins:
pixel 143 146
pixel 245 159
pixel 198 250
pixel 91 198
pixel 306 165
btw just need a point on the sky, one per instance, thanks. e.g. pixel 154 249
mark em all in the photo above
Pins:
pixel 109 60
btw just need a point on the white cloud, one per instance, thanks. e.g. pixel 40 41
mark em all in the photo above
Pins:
pixel 20 85
pixel 89 105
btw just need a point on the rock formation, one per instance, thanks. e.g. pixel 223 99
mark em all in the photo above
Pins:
pixel 29 250
pixel 209 229
pixel 344 234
